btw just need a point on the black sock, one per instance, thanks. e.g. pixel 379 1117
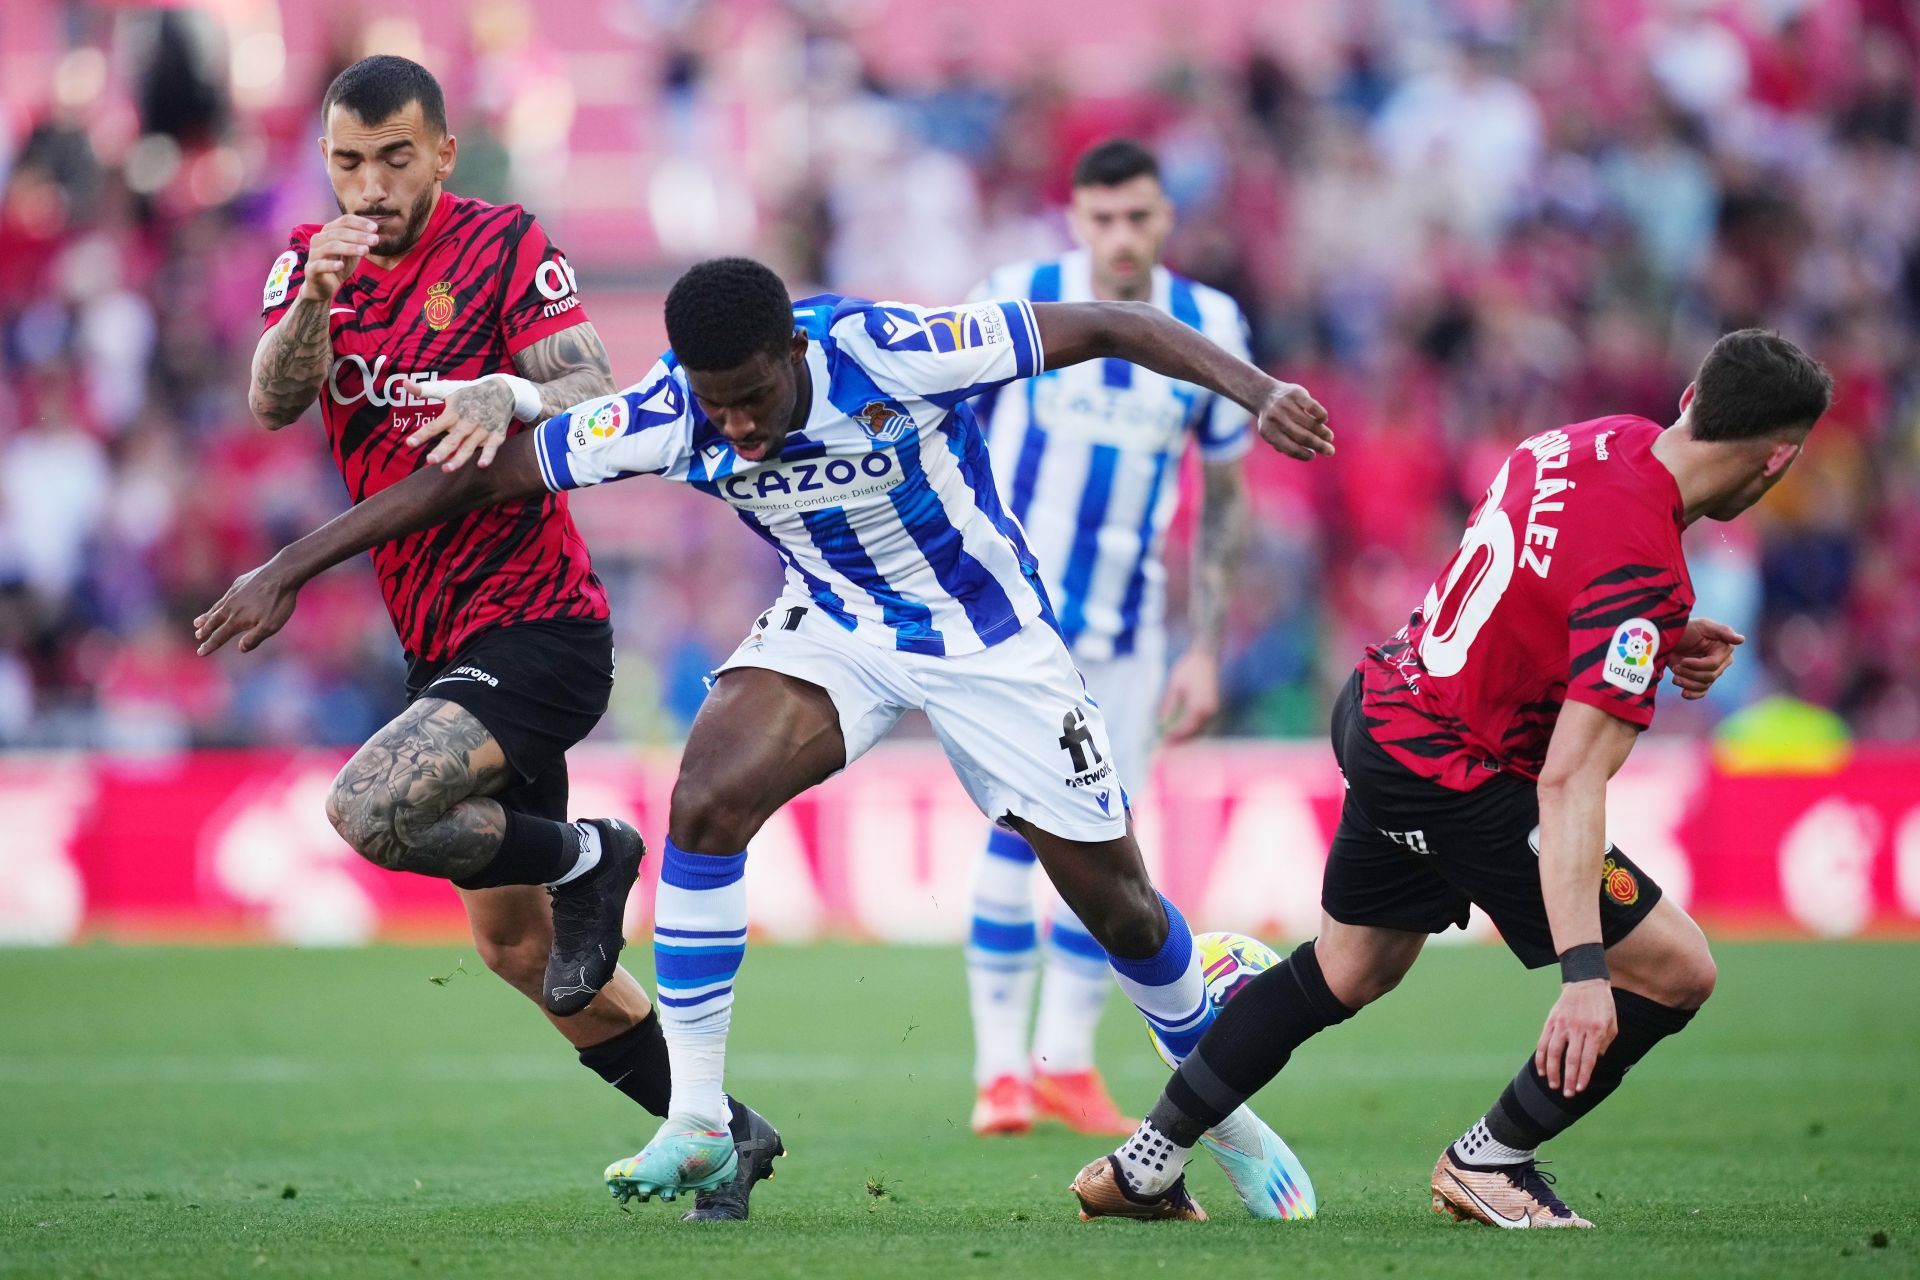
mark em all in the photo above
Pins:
pixel 635 1063
pixel 1529 1112
pixel 1252 1038
pixel 532 851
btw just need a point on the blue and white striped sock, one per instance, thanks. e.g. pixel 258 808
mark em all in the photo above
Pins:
pixel 1167 987
pixel 699 940
pixel 1073 991
pixel 1001 957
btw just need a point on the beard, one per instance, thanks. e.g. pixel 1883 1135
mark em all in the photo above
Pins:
pixel 410 230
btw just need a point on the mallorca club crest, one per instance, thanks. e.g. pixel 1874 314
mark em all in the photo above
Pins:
pixel 438 308
pixel 1619 883
pixel 883 422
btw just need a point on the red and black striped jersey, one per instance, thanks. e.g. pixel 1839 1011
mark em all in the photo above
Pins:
pixel 482 284
pixel 1569 583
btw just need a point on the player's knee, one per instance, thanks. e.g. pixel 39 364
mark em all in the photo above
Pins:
pixel 365 824
pixel 1690 979
pixel 708 816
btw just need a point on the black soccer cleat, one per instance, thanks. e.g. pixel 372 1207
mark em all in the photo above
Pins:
pixel 758 1144
pixel 587 917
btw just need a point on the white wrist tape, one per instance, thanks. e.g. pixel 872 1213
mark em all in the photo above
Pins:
pixel 526 396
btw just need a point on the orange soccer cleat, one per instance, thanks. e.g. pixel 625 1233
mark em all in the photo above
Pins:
pixel 1080 1101
pixel 1004 1105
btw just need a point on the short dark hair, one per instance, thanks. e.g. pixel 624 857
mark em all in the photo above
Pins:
pixel 1110 163
pixel 1755 382
pixel 725 311
pixel 380 87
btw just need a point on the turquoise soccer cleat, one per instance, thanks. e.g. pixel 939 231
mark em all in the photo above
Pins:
pixel 681 1158
pixel 1271 1182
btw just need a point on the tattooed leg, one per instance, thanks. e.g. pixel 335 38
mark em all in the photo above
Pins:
pixel 414 798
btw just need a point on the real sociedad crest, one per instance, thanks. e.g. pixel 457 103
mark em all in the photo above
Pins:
pixel 883 422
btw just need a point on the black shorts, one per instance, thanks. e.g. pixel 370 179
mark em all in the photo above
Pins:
pixel 1412 854
pixel 539 688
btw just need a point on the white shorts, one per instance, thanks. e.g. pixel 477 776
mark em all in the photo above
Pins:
pixel 1128 690
pixel 1015 719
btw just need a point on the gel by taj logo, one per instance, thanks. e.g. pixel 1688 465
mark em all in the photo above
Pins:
pixel 352 379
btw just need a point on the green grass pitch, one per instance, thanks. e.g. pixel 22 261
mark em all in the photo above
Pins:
pixel 255 1112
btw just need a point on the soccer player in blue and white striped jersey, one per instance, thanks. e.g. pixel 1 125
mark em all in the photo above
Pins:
pixel 1088 460
pixel 840 433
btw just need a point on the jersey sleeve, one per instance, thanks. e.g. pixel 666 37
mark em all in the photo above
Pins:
pixel 284 278
pixel 540 296
pixel 1221 428
pixel 1621 630
pixel 944 355
pixel 645 430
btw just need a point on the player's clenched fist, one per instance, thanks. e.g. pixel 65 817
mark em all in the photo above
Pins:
pixel 1295 423
pixel 333 253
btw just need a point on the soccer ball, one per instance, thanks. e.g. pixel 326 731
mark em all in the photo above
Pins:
pixel 1228 962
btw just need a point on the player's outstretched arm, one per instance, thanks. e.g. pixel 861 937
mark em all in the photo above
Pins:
pixel 1587 748
pixel 553 375
pixel 260 601
pixel 1286 417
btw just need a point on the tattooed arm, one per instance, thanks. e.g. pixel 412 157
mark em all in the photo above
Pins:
pixel 291 361
pixel 565 368
pixel 290 364
pixel 1193 685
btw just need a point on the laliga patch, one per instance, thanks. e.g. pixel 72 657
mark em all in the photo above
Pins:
pixel 1630 656
pixel 279 278
pixel 605 422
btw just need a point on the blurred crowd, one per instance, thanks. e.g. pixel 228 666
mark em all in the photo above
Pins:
pixel 1457 223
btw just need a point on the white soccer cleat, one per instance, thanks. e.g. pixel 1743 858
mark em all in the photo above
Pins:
pixel 1271 1182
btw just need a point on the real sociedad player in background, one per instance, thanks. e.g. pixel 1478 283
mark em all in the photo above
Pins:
pixel 509 650
pixel 1088 461
pixel 1477 746
pixel 840 433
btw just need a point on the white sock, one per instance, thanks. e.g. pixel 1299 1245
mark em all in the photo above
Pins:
pixel 1151 1161
pixel 589 854
pixel 1073 993
pixel 697 1056
pixel 1241 1130
pixel 1001 957
pixel 699 940
pixel 1477 1146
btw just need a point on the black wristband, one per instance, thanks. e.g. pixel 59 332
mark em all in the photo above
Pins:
pixel 1584 962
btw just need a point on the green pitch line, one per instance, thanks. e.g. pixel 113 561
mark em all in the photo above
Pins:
pixel 202 1113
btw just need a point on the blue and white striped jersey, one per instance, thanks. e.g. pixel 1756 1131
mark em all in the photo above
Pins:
pixel 882 506
pixel 1088 457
